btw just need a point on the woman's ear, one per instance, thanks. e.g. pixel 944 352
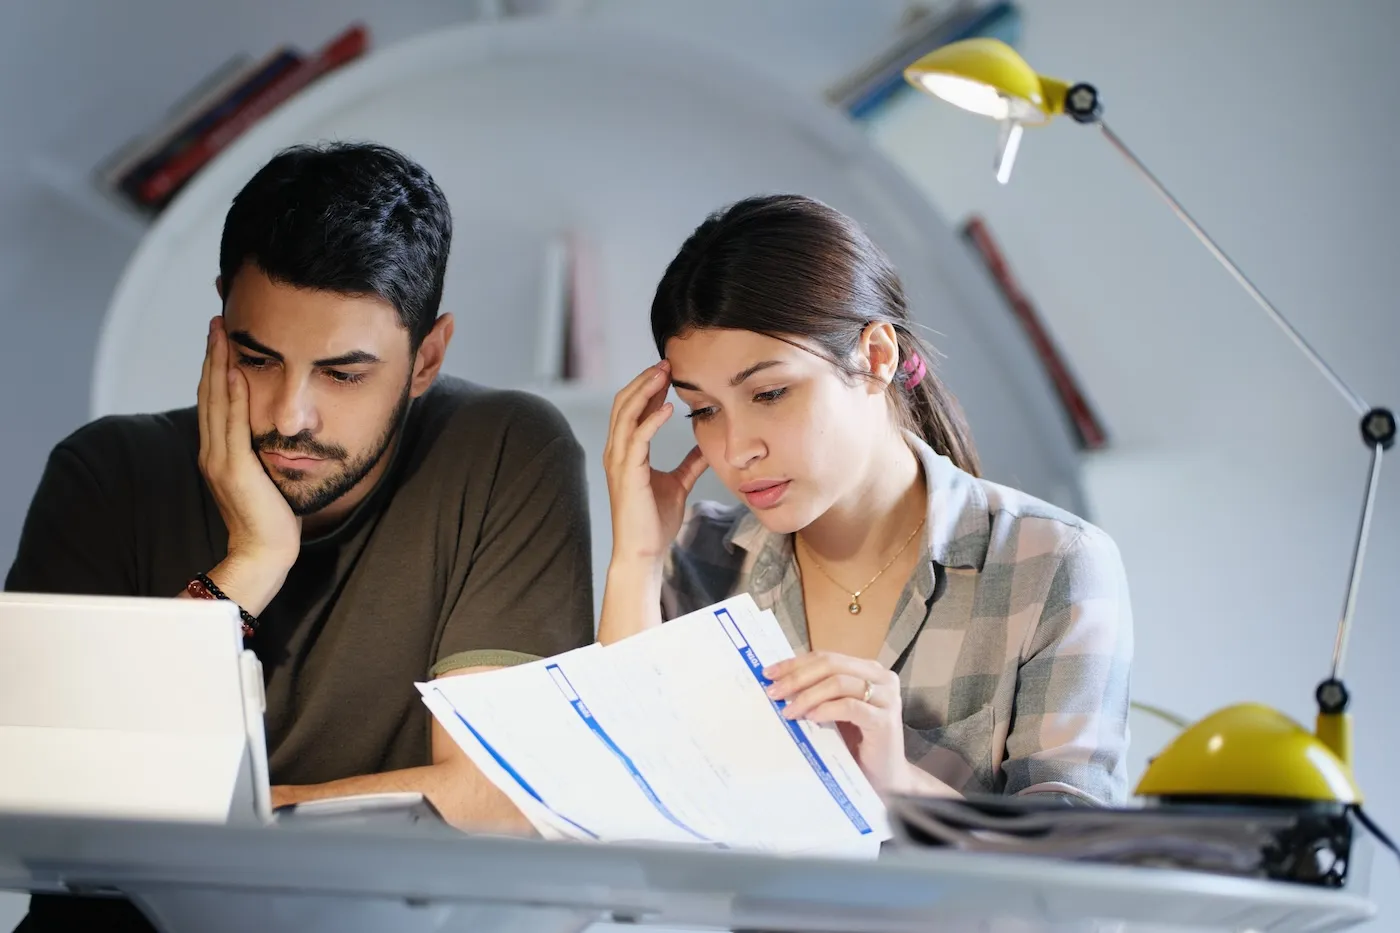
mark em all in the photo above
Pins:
pixel 879 352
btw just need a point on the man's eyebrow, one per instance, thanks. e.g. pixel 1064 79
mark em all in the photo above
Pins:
pixel 353 358
pixel 246 340
pixel 736 380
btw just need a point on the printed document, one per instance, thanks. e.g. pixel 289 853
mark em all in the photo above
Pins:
pixel 665 737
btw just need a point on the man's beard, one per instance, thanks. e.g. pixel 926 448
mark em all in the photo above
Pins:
pixel 352 472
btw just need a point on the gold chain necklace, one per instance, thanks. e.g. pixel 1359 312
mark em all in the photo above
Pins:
pixel 854 607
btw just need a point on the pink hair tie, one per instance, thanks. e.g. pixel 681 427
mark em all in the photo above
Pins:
pixel 914 366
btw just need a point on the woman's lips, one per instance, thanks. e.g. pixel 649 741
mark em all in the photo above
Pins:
pixel 764 494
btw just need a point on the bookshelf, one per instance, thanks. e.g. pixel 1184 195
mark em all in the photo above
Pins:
pixel 132 184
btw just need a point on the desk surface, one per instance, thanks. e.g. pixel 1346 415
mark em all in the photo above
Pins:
pixel 902 891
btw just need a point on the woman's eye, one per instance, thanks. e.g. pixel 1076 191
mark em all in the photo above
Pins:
pixel 772 395
pixel 700 414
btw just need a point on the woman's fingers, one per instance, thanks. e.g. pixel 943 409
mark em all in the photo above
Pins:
pixel 690 469
pixel 831 688
pixel 862 715
pixel 794 675
pixel 632 398
pixel 639 445
pixel 625 392
pixel 629 413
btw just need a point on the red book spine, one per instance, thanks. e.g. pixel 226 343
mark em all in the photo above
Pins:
pixel 348 45
pixel 1092 435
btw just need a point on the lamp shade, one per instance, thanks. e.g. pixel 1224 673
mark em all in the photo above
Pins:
pixel 988 77
pixel 1249 751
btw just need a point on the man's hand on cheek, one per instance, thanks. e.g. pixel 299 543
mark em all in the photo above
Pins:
pixel 264 535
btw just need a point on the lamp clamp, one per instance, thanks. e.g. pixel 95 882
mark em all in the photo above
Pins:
pixel 1083 104
pixel 1332 696
pixel 1378 428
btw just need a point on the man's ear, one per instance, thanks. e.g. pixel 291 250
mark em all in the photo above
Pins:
pixel 219 287
pixel 879 352
pixel 431 352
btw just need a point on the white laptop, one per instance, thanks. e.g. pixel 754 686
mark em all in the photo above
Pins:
pixel 130 708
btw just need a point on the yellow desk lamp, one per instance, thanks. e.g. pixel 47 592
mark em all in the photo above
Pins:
pixel 1247 751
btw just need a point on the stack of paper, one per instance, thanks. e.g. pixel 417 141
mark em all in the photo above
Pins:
pixel 1282 842
pixel 668 736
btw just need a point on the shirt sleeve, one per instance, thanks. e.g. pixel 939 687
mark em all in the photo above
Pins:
pixel 75 538
pixel 701 567
pixel 1069 733
pixel 529 588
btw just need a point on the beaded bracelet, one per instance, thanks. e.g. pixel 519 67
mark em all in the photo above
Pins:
pixel 201 587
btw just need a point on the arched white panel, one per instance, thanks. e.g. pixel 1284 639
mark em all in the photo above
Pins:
pixel 623 141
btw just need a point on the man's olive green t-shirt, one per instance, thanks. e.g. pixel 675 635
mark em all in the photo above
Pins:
pixel 473 549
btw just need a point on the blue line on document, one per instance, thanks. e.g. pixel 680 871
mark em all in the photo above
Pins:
pixel 794 728
pixel 507 767
pixel 561 680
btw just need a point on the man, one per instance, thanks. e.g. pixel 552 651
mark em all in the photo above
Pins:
pixel 376 523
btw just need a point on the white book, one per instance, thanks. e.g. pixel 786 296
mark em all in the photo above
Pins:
pixel 665 737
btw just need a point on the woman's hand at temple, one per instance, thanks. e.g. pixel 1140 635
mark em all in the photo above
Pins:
pixel 647 504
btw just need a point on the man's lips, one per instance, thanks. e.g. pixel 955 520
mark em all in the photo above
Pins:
pixel 291 461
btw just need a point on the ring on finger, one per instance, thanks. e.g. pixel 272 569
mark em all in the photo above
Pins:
pixel 868 688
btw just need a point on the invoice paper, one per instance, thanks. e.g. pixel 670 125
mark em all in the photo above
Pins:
pixel 667 736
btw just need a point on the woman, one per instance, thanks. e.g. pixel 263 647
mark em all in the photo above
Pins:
pixel 964 637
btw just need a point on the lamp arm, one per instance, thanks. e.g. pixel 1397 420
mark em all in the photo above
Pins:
pixel 1378 428
pixel 1358 557
pixel 1359 406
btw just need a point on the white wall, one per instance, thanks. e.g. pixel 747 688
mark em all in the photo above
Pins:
pixel 1234 482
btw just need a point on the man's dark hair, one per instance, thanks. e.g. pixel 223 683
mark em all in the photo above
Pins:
pixel 353 218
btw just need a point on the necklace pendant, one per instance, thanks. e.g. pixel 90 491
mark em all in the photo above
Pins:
pixel 854 608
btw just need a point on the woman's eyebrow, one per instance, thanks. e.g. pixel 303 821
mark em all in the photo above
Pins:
pixel 736 380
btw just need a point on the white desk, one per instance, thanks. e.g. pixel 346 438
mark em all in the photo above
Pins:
pixel 217 878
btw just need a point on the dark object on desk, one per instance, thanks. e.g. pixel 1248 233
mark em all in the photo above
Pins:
pixel 1309 844
pixel 55 913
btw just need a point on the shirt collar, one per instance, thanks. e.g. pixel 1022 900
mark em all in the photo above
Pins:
pixel 959 528
pixel 957 531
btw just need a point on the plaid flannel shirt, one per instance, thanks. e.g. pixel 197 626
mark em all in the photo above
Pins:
pixel 1012 639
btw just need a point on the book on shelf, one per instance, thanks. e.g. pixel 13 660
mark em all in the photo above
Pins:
pixel 213 88
pixel 179 137
pixel 149 171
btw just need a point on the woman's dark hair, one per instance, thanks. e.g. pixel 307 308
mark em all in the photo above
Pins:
pixel 352 218
pixel 788 266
